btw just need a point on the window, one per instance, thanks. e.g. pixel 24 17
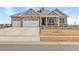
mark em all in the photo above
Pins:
pixel 61 20
pixel 14 19
pixel 36 19
pixel 25 19
pixel 17 19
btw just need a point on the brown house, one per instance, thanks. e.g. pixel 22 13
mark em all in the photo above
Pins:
pixel 40 18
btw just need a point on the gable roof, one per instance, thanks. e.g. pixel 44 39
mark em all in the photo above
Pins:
pixel 52 13
pixel 30 12
pixel 60 13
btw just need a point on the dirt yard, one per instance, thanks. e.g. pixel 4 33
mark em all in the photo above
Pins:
pixel 59 35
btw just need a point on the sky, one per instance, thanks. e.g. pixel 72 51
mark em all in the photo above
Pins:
pixel 5 12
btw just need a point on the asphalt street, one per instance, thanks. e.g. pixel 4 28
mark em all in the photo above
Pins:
pixel 38 46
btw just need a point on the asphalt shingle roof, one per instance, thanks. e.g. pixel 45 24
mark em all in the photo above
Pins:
pixel 41 12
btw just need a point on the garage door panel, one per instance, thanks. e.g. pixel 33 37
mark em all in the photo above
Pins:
pixel 30 23
pixel 16 24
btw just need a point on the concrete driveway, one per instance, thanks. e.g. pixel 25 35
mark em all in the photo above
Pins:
pixel 19 34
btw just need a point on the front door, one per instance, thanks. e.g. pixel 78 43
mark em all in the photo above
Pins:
pixel 43 21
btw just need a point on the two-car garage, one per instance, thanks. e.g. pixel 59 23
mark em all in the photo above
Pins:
pixel 25 23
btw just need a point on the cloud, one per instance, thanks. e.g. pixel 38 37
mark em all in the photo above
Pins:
pixel 9 11
pixel 67 11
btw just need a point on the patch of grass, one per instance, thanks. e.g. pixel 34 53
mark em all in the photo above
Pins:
pixel 59 32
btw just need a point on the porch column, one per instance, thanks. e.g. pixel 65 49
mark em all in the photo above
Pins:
pixel 40 22
pixel 65 19
pixel 58 21
pixel 11 21
pixel 46 22
pixel 21 21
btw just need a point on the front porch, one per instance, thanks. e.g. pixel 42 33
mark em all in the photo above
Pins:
pixel 49 22
pixel 53 22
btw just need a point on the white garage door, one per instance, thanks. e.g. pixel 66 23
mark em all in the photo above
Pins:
pixel 16 23
pixel 30 23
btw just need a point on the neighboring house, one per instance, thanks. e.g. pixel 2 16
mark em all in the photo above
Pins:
pixel 5 25
pixel 1 26
pixel 42 17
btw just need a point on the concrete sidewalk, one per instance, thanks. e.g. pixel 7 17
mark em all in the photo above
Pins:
pixel 40 46
pixel 39 43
